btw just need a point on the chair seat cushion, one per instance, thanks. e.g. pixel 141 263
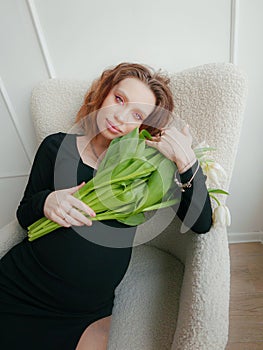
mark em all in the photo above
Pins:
pixel 147 301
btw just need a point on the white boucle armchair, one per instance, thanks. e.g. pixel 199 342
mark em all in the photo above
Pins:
pixel 175 294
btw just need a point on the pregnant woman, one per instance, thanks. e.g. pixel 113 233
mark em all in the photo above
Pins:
pixel 57 292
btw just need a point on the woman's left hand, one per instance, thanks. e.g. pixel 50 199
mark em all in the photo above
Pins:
pixel 176 146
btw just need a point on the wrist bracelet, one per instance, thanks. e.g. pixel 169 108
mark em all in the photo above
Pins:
pixel 188 183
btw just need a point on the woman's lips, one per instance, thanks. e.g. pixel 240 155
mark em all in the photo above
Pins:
pixel 112 128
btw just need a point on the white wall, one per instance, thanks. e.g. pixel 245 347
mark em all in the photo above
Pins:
pixel 43 39
pixel 246 201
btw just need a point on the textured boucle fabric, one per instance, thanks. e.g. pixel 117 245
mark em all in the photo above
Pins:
pixel 146 307
pixel 211 98
pixel 175 294
pixel 10 235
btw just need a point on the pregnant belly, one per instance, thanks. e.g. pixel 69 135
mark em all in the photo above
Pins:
pixel 81 262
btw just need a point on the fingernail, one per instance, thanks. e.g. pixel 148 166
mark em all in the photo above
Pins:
pixel 93 214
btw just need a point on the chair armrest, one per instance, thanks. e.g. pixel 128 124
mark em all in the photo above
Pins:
pixel 10 235
pixel 203 317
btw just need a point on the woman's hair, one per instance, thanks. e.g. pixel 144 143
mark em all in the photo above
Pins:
pixel 158 82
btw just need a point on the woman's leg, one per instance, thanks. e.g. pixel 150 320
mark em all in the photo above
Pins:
pixel 95 336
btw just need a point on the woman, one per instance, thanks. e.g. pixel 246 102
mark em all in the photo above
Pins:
pixel 57 292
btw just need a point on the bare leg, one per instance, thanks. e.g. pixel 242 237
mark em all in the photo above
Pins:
pixel 95 336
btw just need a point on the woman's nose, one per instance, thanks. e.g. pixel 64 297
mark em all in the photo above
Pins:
pixel 121 116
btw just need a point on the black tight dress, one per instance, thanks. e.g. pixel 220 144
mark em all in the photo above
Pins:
pixel 53 288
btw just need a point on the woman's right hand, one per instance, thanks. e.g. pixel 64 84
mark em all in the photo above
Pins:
pixel 64 209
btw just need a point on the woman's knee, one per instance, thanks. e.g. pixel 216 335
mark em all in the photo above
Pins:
pixel 95 336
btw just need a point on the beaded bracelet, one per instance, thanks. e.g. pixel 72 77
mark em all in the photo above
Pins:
pixel 188 183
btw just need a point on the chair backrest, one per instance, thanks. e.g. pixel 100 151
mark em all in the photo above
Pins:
pixel 210 97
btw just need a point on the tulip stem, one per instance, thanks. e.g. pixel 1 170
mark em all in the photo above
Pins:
pixel 215 199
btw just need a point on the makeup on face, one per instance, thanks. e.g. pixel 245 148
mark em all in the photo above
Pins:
pixel 124 108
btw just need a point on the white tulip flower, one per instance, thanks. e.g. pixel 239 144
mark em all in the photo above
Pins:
pixel 214 171
pixel 221 216
pixel 215 174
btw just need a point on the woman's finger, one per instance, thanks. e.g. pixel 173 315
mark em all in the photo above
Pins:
pixel 60 221
pixel 186 131
pixel 76 215
pixel 74 189
pixel 172 131
pixel 68 218
pixel 81 205
pixel 152 143
pixel 61 212
pixel 66 215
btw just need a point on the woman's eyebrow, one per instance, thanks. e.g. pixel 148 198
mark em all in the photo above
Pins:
pixel 123 93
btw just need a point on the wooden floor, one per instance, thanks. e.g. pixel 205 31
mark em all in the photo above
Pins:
pixel 246 297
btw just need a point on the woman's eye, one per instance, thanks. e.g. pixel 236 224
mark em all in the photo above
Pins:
pixel 118 98
pixel 138 116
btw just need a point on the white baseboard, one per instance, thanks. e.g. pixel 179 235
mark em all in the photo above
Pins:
pixel 235 237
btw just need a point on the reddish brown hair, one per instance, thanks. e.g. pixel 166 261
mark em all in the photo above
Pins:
pixel 158 82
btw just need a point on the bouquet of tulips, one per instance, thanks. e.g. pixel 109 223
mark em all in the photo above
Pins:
pixel 131 179
pixel 134 178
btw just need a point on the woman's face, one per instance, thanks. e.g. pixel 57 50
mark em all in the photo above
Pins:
pixel 126 106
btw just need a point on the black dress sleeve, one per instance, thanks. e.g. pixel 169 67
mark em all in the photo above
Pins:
pixel 40 185
pixel 194 208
